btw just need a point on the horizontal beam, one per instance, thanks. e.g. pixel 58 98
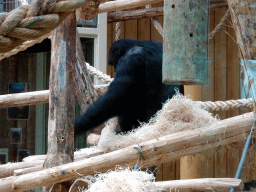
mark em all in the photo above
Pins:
pixel 155 151
pixel 144 13
pixel 205 184
pixel 111 6
pixel 35 97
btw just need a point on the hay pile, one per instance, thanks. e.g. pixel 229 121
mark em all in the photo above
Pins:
pixel 123 180
pixel 178 114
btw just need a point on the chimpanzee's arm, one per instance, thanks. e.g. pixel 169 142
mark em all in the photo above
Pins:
pixel 119 91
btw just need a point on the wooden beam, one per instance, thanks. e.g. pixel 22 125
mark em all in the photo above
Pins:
pixel 83 80
pixel 23 99
pixel 37 97
pixel 124 4
pixel 144 13
pixel 155 151
pixel 62 98
pixel 112 6
pixel 136 14
pixel 205 184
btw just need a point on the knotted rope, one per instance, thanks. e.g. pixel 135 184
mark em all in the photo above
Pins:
pixel 30 22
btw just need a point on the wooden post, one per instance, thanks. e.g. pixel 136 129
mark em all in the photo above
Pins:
pixel 62 101
pixel 83 81
pixel 190 165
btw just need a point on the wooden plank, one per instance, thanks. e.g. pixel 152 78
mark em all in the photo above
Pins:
pixel 169 171
pixel 124 4
pixel 62 99
pixel 144 26
pixel 220 87
pixel 154 33
pixel 233 158
pixel 159 172
pixel 130 29
pixel 233 92
pixel 208 95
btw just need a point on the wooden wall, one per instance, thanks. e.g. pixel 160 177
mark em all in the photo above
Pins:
pixel 223 85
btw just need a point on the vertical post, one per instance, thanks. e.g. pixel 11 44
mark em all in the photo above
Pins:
pixel 61 100
pixel 190 165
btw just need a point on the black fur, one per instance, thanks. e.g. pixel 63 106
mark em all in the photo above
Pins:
pixel 137 91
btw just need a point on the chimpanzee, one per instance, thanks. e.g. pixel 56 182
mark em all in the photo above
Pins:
pixel 137 91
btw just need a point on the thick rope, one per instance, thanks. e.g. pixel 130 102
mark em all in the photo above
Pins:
pixel 219 27
pixel 98 74
pixel 30 22
pixel 227 105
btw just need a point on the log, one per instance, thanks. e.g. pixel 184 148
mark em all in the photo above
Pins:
pixel 62 97
pixel 155 151
pixel 124 4
pixel 137 14
pixel 112 6
pixel 8 169
pixel 189 185
pixel 83 80
pixel 206 184
pixel 23 99
pixel 144 13
pixel 37 97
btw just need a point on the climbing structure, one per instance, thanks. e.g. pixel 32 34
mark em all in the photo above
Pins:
pixel 30 24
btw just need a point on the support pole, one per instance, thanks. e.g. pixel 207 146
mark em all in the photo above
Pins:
pixel 190 165
pixel 62 100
